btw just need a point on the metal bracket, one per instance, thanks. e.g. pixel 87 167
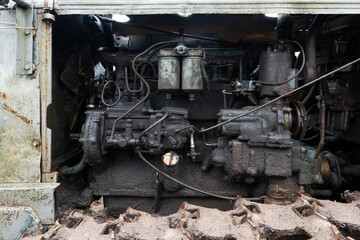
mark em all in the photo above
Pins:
pixel 24 37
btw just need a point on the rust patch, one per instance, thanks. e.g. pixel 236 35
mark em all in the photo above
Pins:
pixel 3 95
pixel 9 109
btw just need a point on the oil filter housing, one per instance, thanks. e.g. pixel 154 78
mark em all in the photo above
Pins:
pixel 169 72
pixel 191 73
pixel 169 61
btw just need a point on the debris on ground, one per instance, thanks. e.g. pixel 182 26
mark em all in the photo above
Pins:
pixel 304 218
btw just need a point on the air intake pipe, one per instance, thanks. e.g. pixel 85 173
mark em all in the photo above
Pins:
pixel 310 47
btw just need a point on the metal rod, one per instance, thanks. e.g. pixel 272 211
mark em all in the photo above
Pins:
pixel 8 23
pixel 278 98
pixel 30 28
pixel 181 183
pixel 322 138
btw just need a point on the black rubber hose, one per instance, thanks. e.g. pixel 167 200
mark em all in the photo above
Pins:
pixel 74 169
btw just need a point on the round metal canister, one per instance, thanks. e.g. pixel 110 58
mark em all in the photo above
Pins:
pixel 168 71
pixel 171 167
pixel 274 68
pixel 192 81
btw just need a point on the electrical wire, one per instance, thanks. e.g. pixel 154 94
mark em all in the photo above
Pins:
pixel 103 91
pixel 297 74
pixel 277 98
pixel 143 80
pixel 181 183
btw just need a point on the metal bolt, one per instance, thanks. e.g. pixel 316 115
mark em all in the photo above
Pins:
pixel 36 143
pixel 27 32
pixel 27 67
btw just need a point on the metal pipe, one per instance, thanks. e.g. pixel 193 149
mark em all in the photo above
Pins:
pixel 153 125
pixel 208 144
pixel 74 169
pixel 317 177
pixel 24 3
pixel 143 80
pixel 310 47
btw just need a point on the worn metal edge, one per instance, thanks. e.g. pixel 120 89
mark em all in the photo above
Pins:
pixel 140 7
pixel 29 185
pixel 38 196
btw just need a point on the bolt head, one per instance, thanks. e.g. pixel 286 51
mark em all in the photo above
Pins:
pixel 36 143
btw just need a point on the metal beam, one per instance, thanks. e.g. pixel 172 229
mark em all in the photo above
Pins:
pixel 189 7
pixel 24 37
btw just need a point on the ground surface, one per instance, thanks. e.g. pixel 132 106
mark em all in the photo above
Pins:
pixel 326 220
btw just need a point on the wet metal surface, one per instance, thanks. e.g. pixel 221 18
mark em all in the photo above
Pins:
pixel 20 143
pixel 38 196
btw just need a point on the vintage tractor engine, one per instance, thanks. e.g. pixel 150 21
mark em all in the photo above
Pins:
pixel 144 127
pixel 168 113
pixel 262 142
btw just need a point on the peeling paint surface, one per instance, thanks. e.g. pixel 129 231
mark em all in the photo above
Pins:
pixel 186 8
pixel 16 222
pixel 44 37
pixel 19 113
pixel 38 196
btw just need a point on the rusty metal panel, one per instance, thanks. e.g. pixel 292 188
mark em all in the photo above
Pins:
pixel 44 41
pixel 189 7
pixel 24 40
pixel 38 196
pixel 20 145
pixel 15 222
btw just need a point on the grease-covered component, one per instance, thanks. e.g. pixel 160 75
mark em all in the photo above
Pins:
pixel 192 81
pixel 169 72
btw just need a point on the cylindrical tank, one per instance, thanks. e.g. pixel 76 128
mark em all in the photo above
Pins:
pixel 192 81
pixel 169 72
pixel 275 67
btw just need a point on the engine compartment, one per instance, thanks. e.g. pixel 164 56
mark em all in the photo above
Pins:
pixel 226 105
